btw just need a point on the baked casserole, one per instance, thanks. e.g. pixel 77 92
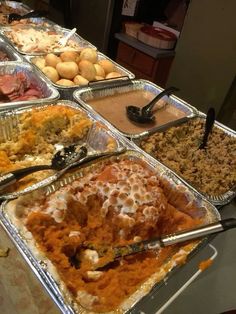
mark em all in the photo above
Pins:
pixel 37 131
pixel 114 202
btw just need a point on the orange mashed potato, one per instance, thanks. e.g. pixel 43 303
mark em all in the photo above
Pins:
pixel 117 203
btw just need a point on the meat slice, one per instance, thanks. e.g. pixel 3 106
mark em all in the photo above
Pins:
pixel 16 87
pixel 9 84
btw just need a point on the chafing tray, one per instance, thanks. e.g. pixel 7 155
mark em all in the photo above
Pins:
pixel 66 91
pixel 100 139
pixel 114 88
pixel 55 29
pixel 35 77
pixel 44 269
pixel 216 200
pixel 12 54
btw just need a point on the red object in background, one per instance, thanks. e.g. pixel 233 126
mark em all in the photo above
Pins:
pixel 158 32
pixel 157 37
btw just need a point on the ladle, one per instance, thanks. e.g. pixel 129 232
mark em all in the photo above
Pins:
pixel 60 160
pixel 210 119
pixel 110 254
pixel 144 114
pixel 17 17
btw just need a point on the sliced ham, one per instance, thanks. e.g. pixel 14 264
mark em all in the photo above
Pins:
pixel 16 87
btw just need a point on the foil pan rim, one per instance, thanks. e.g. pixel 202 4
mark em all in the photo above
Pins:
pixel 121 143
pixel 193 111
pixel 27 67
pixel 134 299
pixel 11 50
pixel 57 28
pixel 220 200
pixel 129 74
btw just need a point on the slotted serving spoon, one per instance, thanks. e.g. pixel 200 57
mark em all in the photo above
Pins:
pixel 95 146
pixel 60 160
pixel 110 254
pixel 17 17
pixel 145 114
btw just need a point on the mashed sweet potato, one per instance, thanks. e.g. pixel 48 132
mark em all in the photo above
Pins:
pixel 116 203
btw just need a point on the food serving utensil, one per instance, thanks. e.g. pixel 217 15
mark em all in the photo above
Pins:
pixel 145 114
pixel 210 119
pixel 66 157
pixel 17 17
pixel 63 41
pixel 60 160
pixel 110 254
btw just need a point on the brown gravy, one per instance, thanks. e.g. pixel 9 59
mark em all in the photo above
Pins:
pixel 113 109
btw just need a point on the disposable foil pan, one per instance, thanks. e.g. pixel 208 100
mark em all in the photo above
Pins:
pixel 35 77
pixel 89 93
pixel 34 21
pixel 66 91
pixel 9 123
pixel 216 200
pixel 20 7
pixel 45 271
pixel 12 54
pixel 56 29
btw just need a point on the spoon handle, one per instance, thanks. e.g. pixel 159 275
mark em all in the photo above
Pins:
pixel 36 13
pixel 210 119
pixel 63 41
pixel 175 238
pixel 12 177
pixel 166 92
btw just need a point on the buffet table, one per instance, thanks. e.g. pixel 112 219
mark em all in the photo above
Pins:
pixel 70 216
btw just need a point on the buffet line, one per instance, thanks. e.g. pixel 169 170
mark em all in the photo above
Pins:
pixel 78 173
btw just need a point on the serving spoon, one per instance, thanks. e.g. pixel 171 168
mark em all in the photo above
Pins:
pixel 108 255
pixel 63 41
pixel 210 119
pixel 60 160
pixel 17 17
pixel 145 114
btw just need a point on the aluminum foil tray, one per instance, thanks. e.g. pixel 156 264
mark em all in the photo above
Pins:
pixel 70 89
pixel 46 272
pixel 90 93
pixel 98 139
pixel 20 7
pixel 12 54
pixel 219 200
pixel 57 29
pixel 35 77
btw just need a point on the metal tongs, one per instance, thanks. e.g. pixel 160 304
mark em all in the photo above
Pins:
pixel 110 254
